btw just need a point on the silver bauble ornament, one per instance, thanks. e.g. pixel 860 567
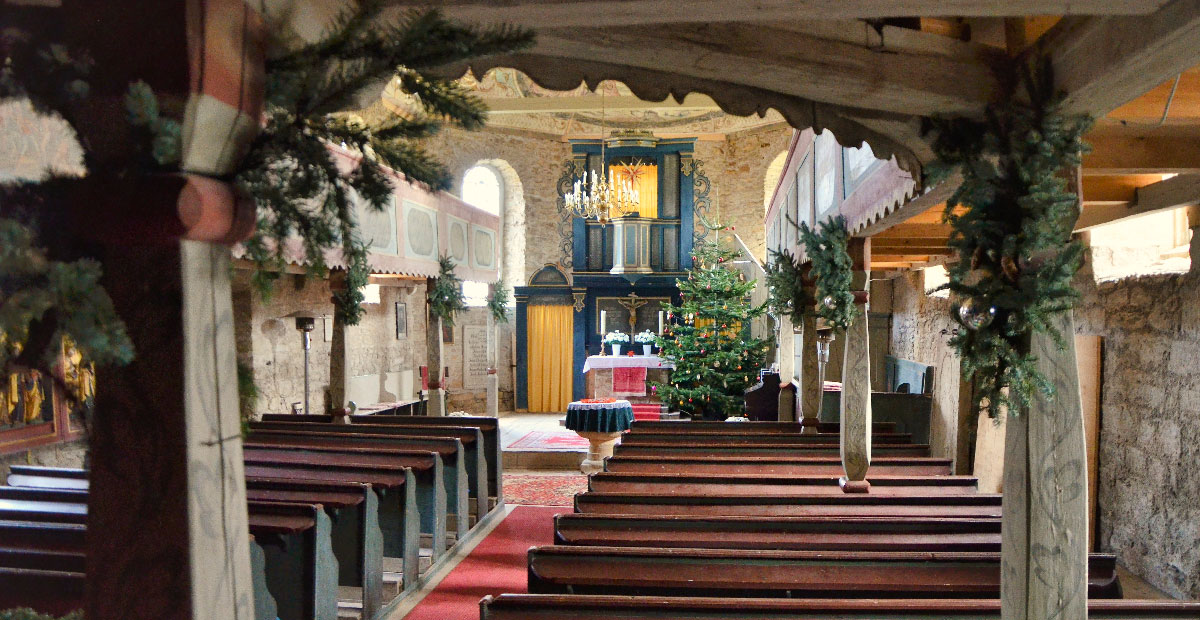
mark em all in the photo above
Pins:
pixel 975 313
pixel 829 302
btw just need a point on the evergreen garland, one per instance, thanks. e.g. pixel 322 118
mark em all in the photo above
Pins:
pixel 831 269
pixel 708 341
pixel 44 301
pixel 445 293
pixel 1016 258
pixel 291 174
pixel 789 293
pixel 497 303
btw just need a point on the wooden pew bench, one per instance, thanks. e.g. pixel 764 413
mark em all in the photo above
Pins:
pixel 49 592
pixel 47 477
pixel 634 438
pixel 355 535
pixel 599 607
pixel 979 505
pixel 275 574
pixel 462 468
pixel 773 485
pixel 691 427
pixel 489 429
pixel 774 465
pixel 788 574
pixel 735 449
pixel 391 471
pixel 782 533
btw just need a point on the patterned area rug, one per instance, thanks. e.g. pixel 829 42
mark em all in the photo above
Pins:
pixel 566 441
pixel 543 489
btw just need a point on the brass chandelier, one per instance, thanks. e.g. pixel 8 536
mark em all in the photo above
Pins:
pixel 600 198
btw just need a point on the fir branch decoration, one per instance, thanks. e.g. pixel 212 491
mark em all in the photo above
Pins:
pixel 1016 259
pixel 294 178
pixel 790 295
pixel 163 135
pixel 497 303
pixel 51 76
pixel 42 301
pixel 445 292
pixel 831 268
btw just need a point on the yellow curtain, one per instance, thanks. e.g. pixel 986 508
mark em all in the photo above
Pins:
pixel 551 373
pixel 645 180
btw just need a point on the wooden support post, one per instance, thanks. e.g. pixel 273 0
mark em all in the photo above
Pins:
pixel 1193 216
pixel 167 535
pixel 786 352
pixel 493 380
pixel 437 374
pixel 811 389
pixel 855 408
pixel 339 368
pixel 1044 530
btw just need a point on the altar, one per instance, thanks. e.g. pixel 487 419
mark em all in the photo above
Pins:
pixel 625 376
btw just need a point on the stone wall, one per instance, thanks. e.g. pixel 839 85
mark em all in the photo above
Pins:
pixel 537 162
pixel 738 171
pixel 921 329
pixel 1148 483
pixel 65 454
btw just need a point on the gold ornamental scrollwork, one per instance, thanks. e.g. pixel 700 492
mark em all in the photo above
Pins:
pixel 579 299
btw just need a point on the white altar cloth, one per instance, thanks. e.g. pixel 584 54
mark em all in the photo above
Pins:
pixel 625 361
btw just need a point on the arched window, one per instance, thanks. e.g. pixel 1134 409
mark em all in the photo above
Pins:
pixel 481 187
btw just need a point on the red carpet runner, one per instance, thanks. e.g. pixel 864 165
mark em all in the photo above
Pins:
pixel 497 565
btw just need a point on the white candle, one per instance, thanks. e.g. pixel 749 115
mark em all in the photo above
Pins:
pixel 660 330
pixel 603 322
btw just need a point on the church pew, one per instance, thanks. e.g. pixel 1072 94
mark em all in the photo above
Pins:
pixel 726 428
pixel 979 505
pixel 355 535
pixel 48 477
pixel 454 475
pixel 789 574
pixel 602 607
pixel 489 427
pixel 391 472
pixel 781 533
pixel 775 465
pixel 726 450
pixel 464 471
pixel 48 592
pixel 634 438
pixel 60 528
pixel 773 485
pixel 301 570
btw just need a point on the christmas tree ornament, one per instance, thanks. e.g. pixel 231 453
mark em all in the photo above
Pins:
pixel 976 313
pixel 829 302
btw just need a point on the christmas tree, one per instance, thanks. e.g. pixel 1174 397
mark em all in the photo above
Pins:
pixel 709 339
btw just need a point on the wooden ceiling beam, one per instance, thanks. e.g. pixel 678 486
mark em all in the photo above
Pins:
pixel 1173 193
pixel 1112 155
pixel 878 246
pixel 1115 189
pixel 783 61
pixel 609 13
pixel 897 258
pixel 1103 62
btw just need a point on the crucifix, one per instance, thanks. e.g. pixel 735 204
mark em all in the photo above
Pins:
pixel 632 304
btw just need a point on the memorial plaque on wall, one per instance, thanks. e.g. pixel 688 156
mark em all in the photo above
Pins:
pixel 474 357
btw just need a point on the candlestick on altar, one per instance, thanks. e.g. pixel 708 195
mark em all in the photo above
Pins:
pixel 603 323
pixel 660 327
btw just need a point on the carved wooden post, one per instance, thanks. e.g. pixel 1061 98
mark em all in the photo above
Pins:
pixel 1044 530
pixel 433 341
pixel 810 376
pixel 787 370
pixel 339 366
pixel 493 380
pixel 855 412
pixel 167 534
